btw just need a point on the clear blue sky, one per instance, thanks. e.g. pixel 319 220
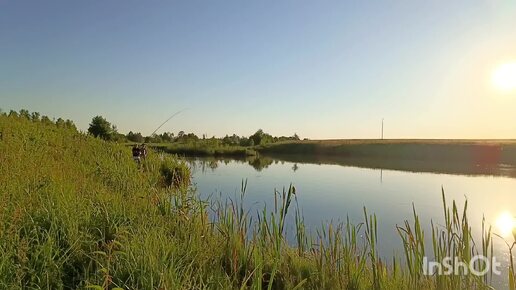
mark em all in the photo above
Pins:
pixel 322 69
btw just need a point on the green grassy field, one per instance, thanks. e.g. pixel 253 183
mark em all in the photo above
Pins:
pixel 77 213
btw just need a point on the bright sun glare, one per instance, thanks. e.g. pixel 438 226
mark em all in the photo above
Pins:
pixel 506 224
pixel 504 77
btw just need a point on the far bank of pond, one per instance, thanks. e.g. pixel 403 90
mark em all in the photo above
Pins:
pixel 467 157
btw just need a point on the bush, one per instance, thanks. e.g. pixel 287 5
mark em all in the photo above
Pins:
pixel 175 173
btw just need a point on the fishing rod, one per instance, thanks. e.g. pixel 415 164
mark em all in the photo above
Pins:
pixel 173 115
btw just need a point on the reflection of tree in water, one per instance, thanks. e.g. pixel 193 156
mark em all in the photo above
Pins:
pixel 202 165
pixel 213 164
pixel 259 163
pixel 205 164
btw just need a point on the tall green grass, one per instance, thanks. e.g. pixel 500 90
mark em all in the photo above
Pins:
pixel 77 212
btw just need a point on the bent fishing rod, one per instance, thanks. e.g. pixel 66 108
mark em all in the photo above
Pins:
pixel 173 115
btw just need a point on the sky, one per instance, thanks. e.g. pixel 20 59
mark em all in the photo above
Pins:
pixel 321 69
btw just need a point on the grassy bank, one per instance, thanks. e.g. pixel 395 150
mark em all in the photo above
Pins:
pixel 77 212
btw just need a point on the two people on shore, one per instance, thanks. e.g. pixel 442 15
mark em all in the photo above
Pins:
pixel 139 153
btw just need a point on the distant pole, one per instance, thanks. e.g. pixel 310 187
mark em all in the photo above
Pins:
pixel 382 128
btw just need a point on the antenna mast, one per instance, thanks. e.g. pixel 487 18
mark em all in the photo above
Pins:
pixel 382 128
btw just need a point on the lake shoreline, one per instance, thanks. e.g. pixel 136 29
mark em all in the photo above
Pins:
pixel 465 157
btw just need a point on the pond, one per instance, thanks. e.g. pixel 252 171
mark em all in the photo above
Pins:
pixel 329 192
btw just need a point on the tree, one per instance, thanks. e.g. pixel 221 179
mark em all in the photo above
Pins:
pixel 118 137
pixel 70 124
pixel 35 116
pixel 100 127
pixel 166 136
pixel 260 138
pixel 257 137
pixel 60 122
pixel 46 120
pixel 135 137
pixel 244 141
pixel 25 114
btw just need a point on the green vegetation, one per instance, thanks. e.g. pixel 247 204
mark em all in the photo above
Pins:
pixel 188 144
pixel 204 148
pixel 101 128
pixel 191 145
pixel 469 157
pixel 469 152
pixel 77 212
pixel 231 146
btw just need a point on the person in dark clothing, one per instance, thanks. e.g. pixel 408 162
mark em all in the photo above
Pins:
pixel 136 153
pixel 143 151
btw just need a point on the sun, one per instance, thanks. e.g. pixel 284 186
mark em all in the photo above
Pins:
pixel 504 77
pixel 506 224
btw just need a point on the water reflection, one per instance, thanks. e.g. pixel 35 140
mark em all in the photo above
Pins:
pixel 333 191
pixel 506 224
pixel 212 163
pixel 261 162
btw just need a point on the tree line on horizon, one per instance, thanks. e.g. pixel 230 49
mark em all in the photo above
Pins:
pixel 37 117
pixel 100 127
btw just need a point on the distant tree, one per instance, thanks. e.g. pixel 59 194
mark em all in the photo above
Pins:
pixel 35 116
pixel 191 137
pixel 135 137
pixel 100 127
pixel 260 138
pixel 70 124
pixel 118 137
pixel 226 140
pixel 60 122
pixel 180 134
pixel 46 120
pixel 166 136
pixel 25 114
pixel 246 142
pixel 155 138
pixel 231 140
pixel 13 113
pixel 257 137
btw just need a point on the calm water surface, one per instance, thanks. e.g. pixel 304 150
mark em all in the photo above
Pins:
pixel 332 192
